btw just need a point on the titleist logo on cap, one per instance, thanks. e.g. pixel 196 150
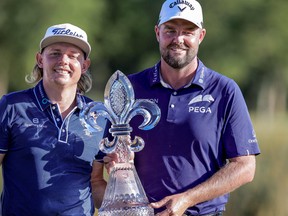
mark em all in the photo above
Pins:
pixel 173 4
pixel 64 31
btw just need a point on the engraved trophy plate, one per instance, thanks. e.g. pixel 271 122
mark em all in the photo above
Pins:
pixel 124 193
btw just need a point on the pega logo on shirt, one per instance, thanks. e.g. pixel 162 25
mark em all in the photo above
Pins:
pixel 200 109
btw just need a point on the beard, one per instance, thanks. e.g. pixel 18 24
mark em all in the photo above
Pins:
pixel 177 62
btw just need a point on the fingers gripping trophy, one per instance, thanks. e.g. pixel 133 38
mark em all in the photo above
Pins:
pixel 124 193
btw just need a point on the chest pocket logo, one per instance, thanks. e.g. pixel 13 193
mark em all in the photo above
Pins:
pixel 201 98
pixel 200 109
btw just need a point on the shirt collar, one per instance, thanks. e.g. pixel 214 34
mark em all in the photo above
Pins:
pixel 155 78
pixel 43 100
pixel 41 96
pixel 199 78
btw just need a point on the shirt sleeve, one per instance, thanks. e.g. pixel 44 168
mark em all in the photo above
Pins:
pixel 239 137
pixel 4 134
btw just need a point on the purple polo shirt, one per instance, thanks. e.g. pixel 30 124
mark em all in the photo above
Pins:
pixel 48 159
pixel 201 126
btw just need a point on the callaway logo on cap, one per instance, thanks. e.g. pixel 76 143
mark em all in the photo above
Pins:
pixel 189 10
pixel 66 33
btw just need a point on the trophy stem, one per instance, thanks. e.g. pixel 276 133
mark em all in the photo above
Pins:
pixel 124 194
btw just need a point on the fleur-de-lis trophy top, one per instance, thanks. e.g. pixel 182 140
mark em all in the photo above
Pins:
pixel 124 193
pixel 119 108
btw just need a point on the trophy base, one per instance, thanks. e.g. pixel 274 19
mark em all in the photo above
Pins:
pixel 124 195
pixel 128 211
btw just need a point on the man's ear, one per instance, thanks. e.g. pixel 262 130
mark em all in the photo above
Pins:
pixel 156 29
pixel 86 65
pixel 39 60
pixel 202 35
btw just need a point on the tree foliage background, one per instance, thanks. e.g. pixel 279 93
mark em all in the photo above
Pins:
pixel 245 40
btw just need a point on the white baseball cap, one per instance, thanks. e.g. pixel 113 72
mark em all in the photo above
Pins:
pixel 189 10
pixel 66 33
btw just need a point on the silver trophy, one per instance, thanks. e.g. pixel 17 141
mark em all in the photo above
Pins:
pixel 124 193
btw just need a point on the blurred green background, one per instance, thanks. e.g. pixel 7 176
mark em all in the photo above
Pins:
pixel 245 40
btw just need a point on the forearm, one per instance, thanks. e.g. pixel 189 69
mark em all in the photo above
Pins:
pixel 98 191
pixel 237 172
pixel 1 158
pixel 98 183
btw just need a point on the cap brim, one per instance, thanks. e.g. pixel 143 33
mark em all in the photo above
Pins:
pixel 177 17
pixel 72 40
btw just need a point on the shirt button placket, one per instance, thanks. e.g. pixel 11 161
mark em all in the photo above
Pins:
pixel 172 106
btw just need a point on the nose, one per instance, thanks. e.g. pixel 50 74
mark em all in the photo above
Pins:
pixel 179 38
pixel 63 59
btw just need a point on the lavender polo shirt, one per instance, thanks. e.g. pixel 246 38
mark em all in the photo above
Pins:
pixel 48 159
pixel 201 126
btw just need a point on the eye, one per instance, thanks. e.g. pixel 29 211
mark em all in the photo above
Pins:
pixel 74 55
pixel 188 33
pixel 55 53
pixel 170 31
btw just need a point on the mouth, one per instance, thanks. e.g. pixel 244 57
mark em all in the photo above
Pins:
pixel 177 51
pixel 177 48
pixel 62 71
